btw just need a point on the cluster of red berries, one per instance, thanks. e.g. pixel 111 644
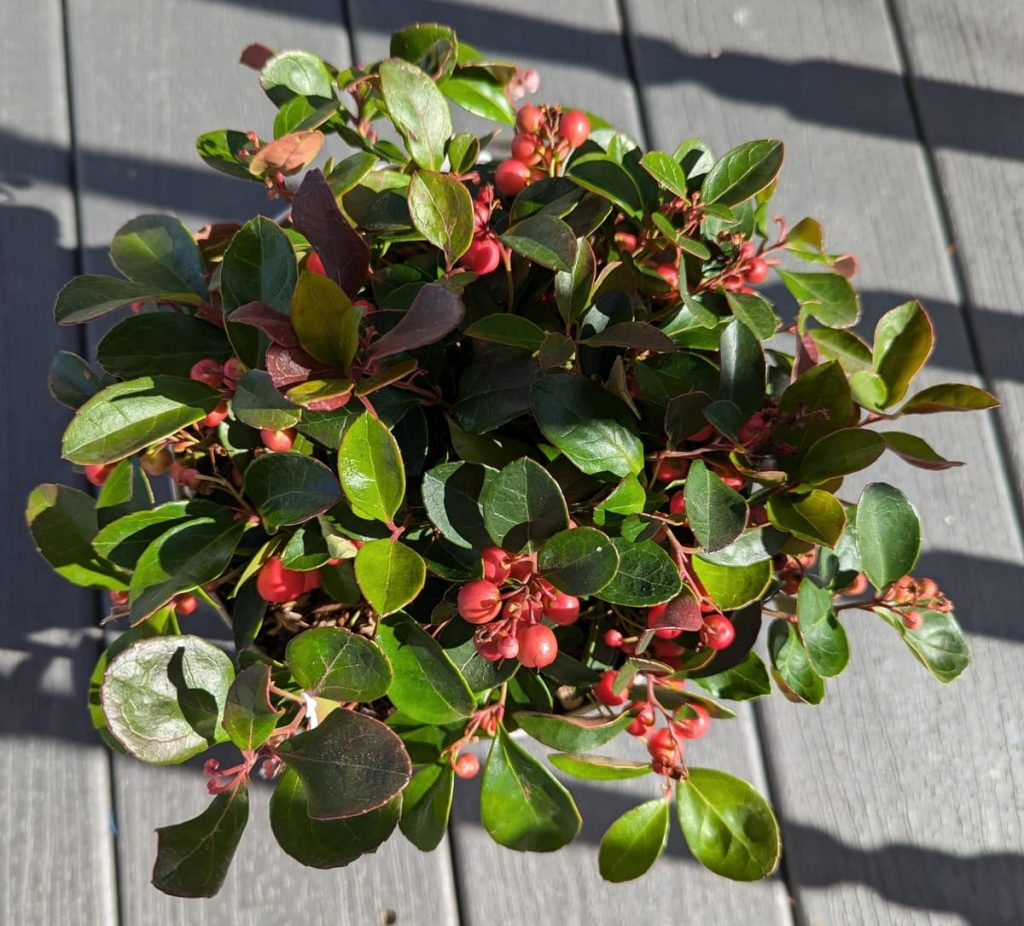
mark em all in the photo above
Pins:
pixel 907 595
pixel 486 252
pixel 544 139
pixel 748 267
pixel 715 632
pixel 510 620
pixel 791 569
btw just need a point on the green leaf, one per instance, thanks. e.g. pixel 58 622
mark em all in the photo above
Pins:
pixel 841 453
pixel 522 805
pixel 318 390
pixel 716 514
pixel 326 843
pixel 598 768
pixel 791 665
pixel 592 427
pixel 126 490
pixel 220 150
pixel 494 390
pixel 390 574
pixel 160 343
pixel 289 488
pixel 257 403
pixel 916 451
pixel 816 404
pixel 728 826
pixel 72 381
pixel 87 297
pixel 325 320
pixel 163 698
pixel 845 346
pixel 948 397
pixel 904 338
pixel 333 663
pixel 128 416
pixel 742 682
pixel 580 561
pixel 123 541
pixel 573 287
pixel 349 764
pixel 426 806
pixel 427 686
pixel 182 558
pixel 249 717
pixel 752 546
pixel 259 266
pixel 666 170
pixel 451 497
pixel 569 733
pixel 634 842
pixel 159 252
pixel 371 469
pixel 523 506
pixel 939 644
pixel 817 517
pixel 463 152
pixel 296 73
pixel 829 297
pixel 504 328
pixel 732 587
pixel 743 368
pixel 602 175
pixel 632 335
pixel 481 97
pixel 627 498
pixel 544 240
pixel 442 211
pixel 888 534
pixel 419 111
pixel 823 635
pixel 646 576
pixel 742 172
pixel 868 389
pixel 755 312
pixel 63 525
pixel 193 857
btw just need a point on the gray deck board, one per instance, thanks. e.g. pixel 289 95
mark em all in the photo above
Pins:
pixel 888 792
pixel 56 864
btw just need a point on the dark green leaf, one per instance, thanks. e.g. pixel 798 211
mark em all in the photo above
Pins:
pixel 840 453
pixel 743 368
pixel 939 644
pixel 598 768
pixel 325 320
pixel 948 397
pixel 716 514
pixel 755 312
pixel 580 561
pixel 123 541
pixel 89 297
pixel 494 390
pixel 752 546
pixel 390 574
pixel 569 733
pixel 544 240
pixel 632 335
pixel 451 496
pixel 635 841
pixel 221 148
pixel 666 170
pixel 289 488
pixel 742 682
pixel 481 97
pixel 418 110
pixel 442 211
pixel 372 473
pixel 259 266
pixel 602 175
pixel 523 506
pixel 249 717
pixel 823 635
pixel 72 380
pixel 888 534
pixel 159 252
pixel 916 451
pixel 572 287
pixel 646 576
pixel 504 328
pixel 126 490
pixel 742 172
pixel 791 666
pixel 817 517
pixel 160 343
pixel 827 296
pixel 816 404
pixel 257 403
pixel 333 663
pixel 426 806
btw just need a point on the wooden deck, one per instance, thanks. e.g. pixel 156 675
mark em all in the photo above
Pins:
pixel 902 801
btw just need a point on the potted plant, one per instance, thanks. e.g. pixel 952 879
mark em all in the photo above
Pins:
pixel 464 447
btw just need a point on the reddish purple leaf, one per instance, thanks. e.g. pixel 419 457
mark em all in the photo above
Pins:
pixel 289 153
pixel 272 323
pixel 315 214
pixel 289 365
pixel 681 613
pixel 256 56
pixel 435 312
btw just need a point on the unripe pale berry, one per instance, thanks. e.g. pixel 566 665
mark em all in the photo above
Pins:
pixel 537 646
pixel 603 693
pixel 97 473
pixel 186 604
pixel 693 728
pixel 511 177
pixel 497 564
pixel 208 371
pixel 277 584
pixel 717 631
pixel 482 257
pixel 467 765
pixel 479 601
pixel 529 118
pixel 277 440
pixel 574 127
pixel 562 609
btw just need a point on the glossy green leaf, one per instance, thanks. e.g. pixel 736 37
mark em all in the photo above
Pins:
pixel 732 586
pixel 159 252
pixel 259 266
pixel 123 541
pixel 791 666
pixel 634 842
pixel 427 686
pixel 390 574
pixel 742 172
pixel 888 534
pixel 816 404
pixel 573 286
pixel 742 682
pixel 182 558
pixel 522 805
pixel 752 546
pixel 160 343
pixel 481 97
pixel 824 638
pixel 728 826
pixel 163 698
pixel 427 805
pixel 63 525
pixel 948 397
pixel 755 312
pixel 646 576
pixel 592 427
pixel 841 453
pixel 249 717
pixel 325 320
pixel 349 764
pixel 72 381
pixel 580 561
pixel 544 240
pixel 371 469
pixel 845 346
pixel 916 451
pixel 126 417
pixel 326 844
pixel 442 211
pixel 126 490
pixel 598 768
pixel 257 403
pixel 87 297
pixel 938 644
pixel 602 175
pixel 904 338
pixel 419 111
pixel 667 171
pixel 289 488
pixel 523 506
pixel 505 328
pixel 451 497
pixel 817 517
pixel 295 73
pixel 193 857
pixel 333 663
pixel 569 733
pixel 221 149
pixel 742 368
pixel 633 336
pixel 716 513
pixel 829 297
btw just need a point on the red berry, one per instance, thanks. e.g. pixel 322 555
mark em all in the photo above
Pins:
pixel 208 371
pixel 524 148
pixel 508 647
pixel 858 586
pixel 644 712
pixel 669 274
pixel 523 567
pixel 529 118
pixel 757 270
pixel 479 601
pixel 717 631
pixel 625 241
pixel 666 633
pixel 119 597
pixel 97 473
pixel 314 264
pixel 482 257
pixel 537 646
pixel 311 580
pixel 216 416
pixel 467 765
pixel 662 744
pixel 613 639
pixel 574 127
pixel 277 584
pixel 733 482
pixel 703 434
pixel 747 250
pixel 673 468
pixel 913 620
pixel 481 215
pixel 497 564
pixel 186 604
pixel 489 649
pixel 234 369
pixel 562 609
pixel 693 728
pixel 511 177
pixel 277 440
pixel 603 693
pixel 637 728
pixel 677 504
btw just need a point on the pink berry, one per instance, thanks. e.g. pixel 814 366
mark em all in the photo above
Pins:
pixel 208 371
pixel 537 646
pixel 479 601
pixel 277 584
pixel 529 118
pixel 277 440
pixel 574 127
pixel 482 257
pixel 511 177
pixel 717 631
pixel 603 693
pixel 613 639
pixel 693 728
pixel 467 766
pixel 215 417
pixel 562 609
pixel 497 564
pixel 97 473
